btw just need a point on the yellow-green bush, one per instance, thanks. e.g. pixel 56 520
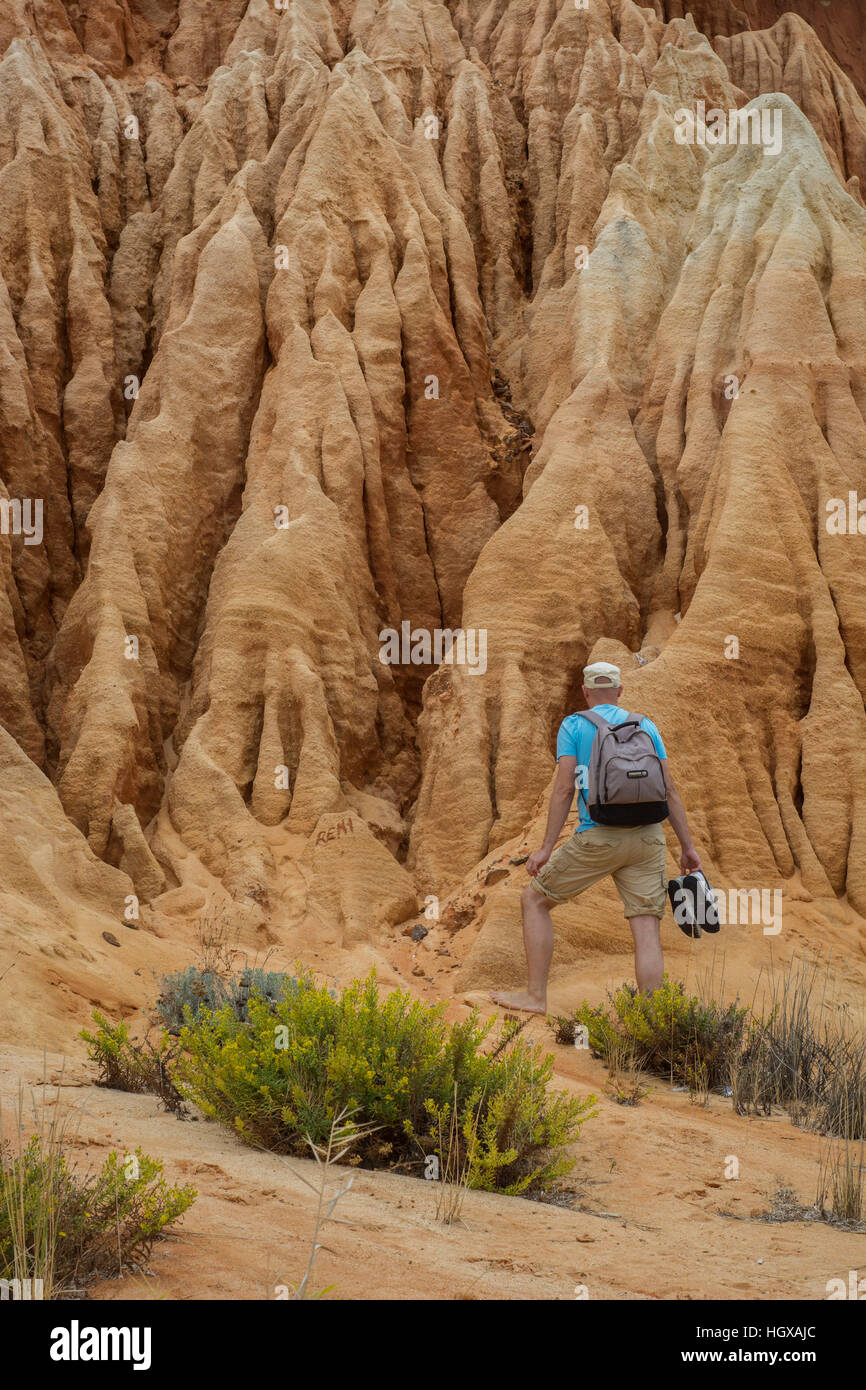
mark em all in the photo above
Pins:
pixel 98 1223
pixel 281 1077
pixel 691 1040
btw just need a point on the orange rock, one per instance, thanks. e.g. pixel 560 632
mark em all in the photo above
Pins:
pixel 319 322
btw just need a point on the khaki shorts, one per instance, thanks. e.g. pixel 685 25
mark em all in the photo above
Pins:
pixel 634 856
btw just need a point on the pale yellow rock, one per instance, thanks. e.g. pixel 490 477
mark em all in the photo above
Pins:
pixel 355 884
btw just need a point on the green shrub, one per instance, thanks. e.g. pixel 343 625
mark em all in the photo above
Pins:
pixel 196 989
pixel 101 1223
pixel 281 1078
pixel 522 1132
pixel 693 1041
pixel 139 1066
pixel 800 1052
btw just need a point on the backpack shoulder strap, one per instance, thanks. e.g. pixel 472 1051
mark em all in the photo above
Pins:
pixel 597 719
pixel 601 725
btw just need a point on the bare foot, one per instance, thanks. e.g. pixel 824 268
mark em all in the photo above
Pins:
pixel 521 1000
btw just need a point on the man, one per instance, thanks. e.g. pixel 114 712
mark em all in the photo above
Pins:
pixel 634 856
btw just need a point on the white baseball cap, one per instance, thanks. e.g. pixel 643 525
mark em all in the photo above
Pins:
pixel 601 673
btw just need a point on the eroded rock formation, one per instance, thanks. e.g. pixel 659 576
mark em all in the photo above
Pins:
pixel 321 320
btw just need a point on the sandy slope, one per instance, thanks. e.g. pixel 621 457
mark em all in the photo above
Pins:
pixel 649 1189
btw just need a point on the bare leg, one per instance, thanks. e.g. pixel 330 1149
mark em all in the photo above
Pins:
pixel 648 961
pixel 538 944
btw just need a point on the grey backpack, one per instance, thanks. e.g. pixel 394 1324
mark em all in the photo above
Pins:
pixel 626 780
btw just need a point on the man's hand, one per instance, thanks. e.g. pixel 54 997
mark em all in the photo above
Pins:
pixel 690 860
pixel 537 861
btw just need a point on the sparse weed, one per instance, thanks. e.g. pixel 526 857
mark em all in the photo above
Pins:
pixel 126 1064
pixel 343 1136
pixel 840 1181
pixel 806 1057
pixel 625 1082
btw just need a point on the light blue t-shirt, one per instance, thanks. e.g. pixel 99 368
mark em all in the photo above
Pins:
pixel 575 740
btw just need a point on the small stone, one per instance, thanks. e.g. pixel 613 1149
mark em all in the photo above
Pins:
pixel 418 932
pixel 112 940
pixel 495 876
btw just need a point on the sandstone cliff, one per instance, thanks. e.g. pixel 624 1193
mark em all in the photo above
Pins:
pixel 323 319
